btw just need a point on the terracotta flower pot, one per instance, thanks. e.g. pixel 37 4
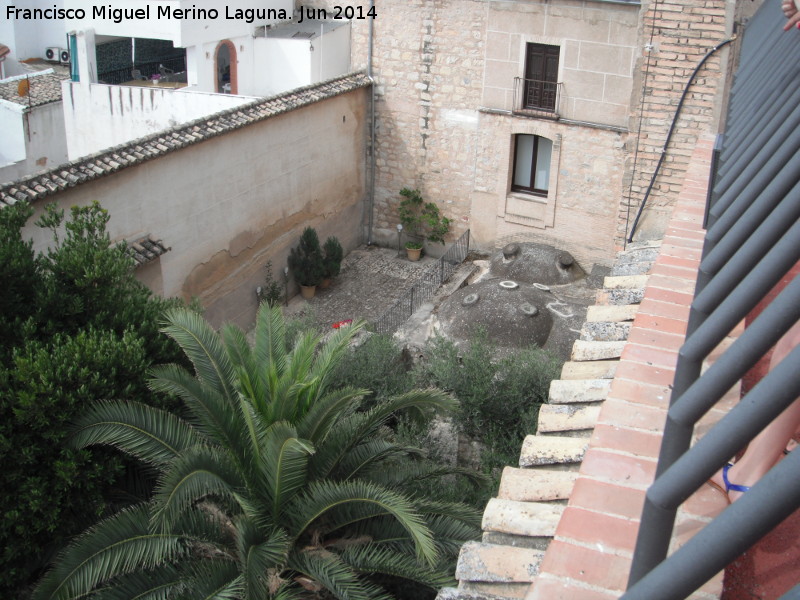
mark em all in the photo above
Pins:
pixel 413 254
pixel 308 291
pixel 325 283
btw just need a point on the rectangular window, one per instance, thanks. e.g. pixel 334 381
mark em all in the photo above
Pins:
pixel 532 164
pixel 541 76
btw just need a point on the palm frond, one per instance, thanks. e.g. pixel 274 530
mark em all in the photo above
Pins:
pixel 327 411
pixel 327 569
pixel 116 546
pixel 212 414
pixel 330 354
pixel 405 472
pixel 246 370
pixel 270 337
pixel 374 559
pixel 198 473
pixel 325 496
pixel 164 583
pixel 371 456
pixel 214 580
pixel 203 347
pixel 285 465
pixel 151 435
pixel 262 555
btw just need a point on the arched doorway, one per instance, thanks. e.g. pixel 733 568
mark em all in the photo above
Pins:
pixel 225 68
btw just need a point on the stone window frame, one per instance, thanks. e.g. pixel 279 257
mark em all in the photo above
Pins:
pixel 526 208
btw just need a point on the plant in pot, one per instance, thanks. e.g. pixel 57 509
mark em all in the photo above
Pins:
pixel 421 220
pixel 332 255
pixel 306 262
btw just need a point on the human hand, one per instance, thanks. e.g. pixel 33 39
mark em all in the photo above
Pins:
pixel 792 14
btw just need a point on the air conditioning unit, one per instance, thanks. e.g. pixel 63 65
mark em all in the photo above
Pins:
pixel 63 56
pixel 52 54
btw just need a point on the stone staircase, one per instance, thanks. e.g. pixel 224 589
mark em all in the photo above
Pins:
pixel 520 522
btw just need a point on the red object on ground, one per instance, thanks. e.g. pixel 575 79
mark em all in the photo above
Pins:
pixel 344 323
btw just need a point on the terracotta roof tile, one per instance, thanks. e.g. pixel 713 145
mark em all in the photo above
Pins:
pixel 45 87
pixel 146 249
pixel 41 185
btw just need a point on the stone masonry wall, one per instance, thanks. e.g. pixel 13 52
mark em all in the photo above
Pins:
pixel 680 33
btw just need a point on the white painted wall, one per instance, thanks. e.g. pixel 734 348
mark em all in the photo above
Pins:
pixel 12 142
pixel 100 116
pixel 285 63
pixel 28 39
pixel 183 33
pixel 33 142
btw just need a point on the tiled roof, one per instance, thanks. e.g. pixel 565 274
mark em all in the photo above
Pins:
pixel 43 184
pixel 45 87
pixel 146 249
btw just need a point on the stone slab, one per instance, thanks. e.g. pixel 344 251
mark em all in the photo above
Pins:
pixel 567 391
pixel 583 350
pixel 598 369
pixel 497 564
pixel 619 282
pixel 539 450
pixel 535 485
pixel 554 417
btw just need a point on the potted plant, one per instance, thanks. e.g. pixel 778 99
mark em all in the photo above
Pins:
pixel 421 220
pixel 306 262
pixel 332 255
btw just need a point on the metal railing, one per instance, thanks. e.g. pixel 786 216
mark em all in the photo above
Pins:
pixel 117 76
pixel 424 287
pixel 537 97
pixel 751 244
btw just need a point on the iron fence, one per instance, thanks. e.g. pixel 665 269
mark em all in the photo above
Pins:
pixel 424 287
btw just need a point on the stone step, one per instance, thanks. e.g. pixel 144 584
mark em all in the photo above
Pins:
pixel 560 417
pixel 517 541
pixel 535 485
pixel 540 450
pixel 456 594
pixel 489 563
pixel 531 519
pixel 596 369
pixel 623 282
pixel 619 297
pixel 632 268
pixel 599 313
pixel 589 351
pixel 568 391
pixel 605 331
pixel 501 591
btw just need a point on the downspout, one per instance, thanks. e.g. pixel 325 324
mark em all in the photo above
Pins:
pixel 371 182
pixel 671 130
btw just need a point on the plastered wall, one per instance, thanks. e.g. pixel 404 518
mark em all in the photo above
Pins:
pixel 228 205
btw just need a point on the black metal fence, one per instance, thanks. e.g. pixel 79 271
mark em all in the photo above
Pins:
pixel 424 287
pixel 147 70
pixel 751 244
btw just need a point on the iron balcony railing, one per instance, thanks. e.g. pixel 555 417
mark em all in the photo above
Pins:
pixel 537 97
pixel 424 287
pixel 751 244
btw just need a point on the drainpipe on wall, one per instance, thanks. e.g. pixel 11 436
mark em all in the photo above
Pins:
pixel 371 183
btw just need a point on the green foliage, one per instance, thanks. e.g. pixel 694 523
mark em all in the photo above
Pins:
pixel 333 256
pixel 420 218
pixel 273 479
pixel 306 261
pixel 377 365
pixel 499 399
pixel 272 291
pixel 76 327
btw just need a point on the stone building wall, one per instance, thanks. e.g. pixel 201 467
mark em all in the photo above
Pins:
pixel 679 34
pixel 446 111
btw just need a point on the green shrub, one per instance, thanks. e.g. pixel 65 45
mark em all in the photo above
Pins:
pixel 499 398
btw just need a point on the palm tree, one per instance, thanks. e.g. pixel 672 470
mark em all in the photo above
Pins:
pixel 270 485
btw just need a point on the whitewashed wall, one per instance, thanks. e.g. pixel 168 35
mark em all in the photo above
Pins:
pixel 42 146
pixel 100 116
